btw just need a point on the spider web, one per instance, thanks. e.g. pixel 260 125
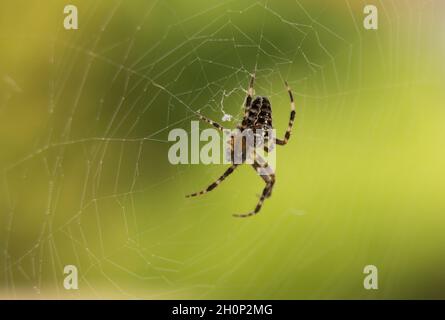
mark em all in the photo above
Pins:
pixel 94 187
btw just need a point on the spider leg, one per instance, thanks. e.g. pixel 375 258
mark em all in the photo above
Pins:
pixel 248 102
pixel 269 178
pixel 264 171
pixel 250 91
pixel 291 120
pixel 216 183
pixel 211 122
pixel 269 147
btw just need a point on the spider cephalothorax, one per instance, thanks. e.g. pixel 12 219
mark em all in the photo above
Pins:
pixel 257 120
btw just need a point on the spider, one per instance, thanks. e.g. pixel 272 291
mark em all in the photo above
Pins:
pixel 257 117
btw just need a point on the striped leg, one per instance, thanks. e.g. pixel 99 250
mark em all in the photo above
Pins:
pixel 211 122
pixel 264 171
pixel 216 183
pixel 250 92
pixel 269 178
pixel 291 120
pixel 269 144
pixel 248 102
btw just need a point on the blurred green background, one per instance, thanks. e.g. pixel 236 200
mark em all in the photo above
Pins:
pixel 85 180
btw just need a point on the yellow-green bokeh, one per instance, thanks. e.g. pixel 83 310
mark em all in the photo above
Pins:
pixel 84 119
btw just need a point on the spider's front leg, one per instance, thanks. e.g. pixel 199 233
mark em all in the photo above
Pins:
pixel 268 176
pixel 291 120
pixel 211 122
pixel 248 102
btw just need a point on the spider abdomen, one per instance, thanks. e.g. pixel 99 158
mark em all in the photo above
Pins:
pixel 259 115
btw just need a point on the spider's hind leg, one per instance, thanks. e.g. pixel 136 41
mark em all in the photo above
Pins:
pixel 269 177
pixel 216 183
pixel 266 180
pixel 267 174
